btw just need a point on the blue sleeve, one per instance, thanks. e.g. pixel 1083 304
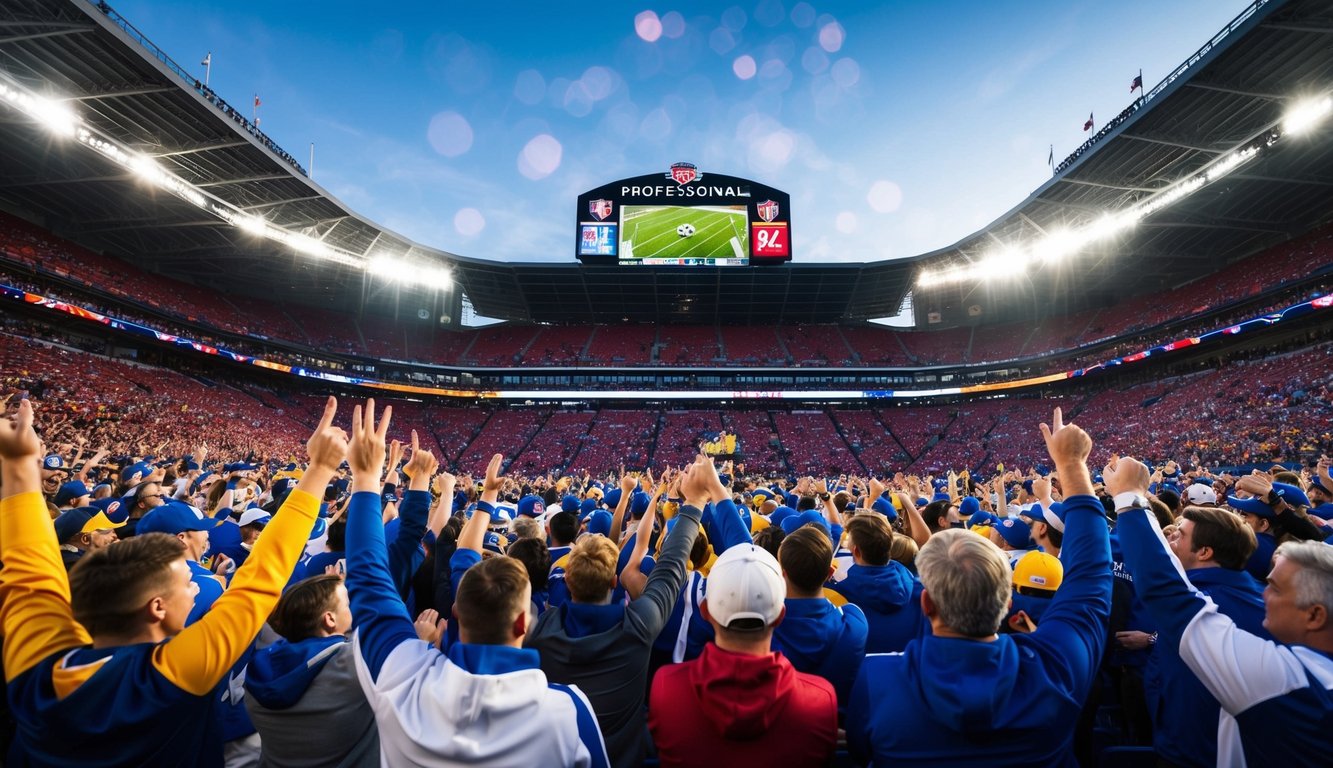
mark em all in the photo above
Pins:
pixel 857 721
pixel 590 733
pixel 405 555
pixel 1165 592
pixel 459 562
pixel 1074 627
pixel 381 616
pixel 727 529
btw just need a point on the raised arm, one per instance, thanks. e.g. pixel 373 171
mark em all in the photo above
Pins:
pixel 627 485
pixel 1239 669
pixel 474 532
pixel 631 578
pixel 34 590
pixel 197 658
pixel 405 554
pixel 659 596
pixel 1074 626
pixel 444 508
pixel 917 527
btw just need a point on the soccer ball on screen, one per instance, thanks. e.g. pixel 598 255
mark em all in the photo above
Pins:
pixel 685 230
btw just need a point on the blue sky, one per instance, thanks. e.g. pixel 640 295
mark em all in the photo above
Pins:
pixel 897 128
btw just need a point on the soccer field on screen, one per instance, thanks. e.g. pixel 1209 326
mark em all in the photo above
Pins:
pixel 651 232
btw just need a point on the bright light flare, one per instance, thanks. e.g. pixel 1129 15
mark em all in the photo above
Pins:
pixel 1305 115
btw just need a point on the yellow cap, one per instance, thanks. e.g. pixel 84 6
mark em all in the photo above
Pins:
pixel 1039 570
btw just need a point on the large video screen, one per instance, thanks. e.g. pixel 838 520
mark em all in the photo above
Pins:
pixel 684 235
pixel 684 218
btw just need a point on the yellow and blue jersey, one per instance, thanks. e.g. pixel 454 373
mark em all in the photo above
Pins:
pixel 142 704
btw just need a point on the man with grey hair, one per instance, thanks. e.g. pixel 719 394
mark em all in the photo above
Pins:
pixel 965 694
pixel 1276 697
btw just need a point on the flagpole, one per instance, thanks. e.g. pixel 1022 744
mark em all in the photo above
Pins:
pixel 1143 87
pixel 208 67
pixel 311 171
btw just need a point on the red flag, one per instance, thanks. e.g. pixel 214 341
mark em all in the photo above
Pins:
pixel 256 99
pixel 1138 83
pixel 1088 125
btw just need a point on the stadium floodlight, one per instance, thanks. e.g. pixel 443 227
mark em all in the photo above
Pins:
pixel 1304 115
pixel 55 115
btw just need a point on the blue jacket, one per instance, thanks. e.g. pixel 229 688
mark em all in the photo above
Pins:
pixel 1185 715
pixel 948 701
pixel 1276 701
pixel 822 639
pixel 1262 559
pixel 890 597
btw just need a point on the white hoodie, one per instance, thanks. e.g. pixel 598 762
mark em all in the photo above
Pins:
pixel 478 705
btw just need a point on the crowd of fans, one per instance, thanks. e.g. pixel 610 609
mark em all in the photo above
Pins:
pixel 1269 407
pixel 360 601
pixel 30 257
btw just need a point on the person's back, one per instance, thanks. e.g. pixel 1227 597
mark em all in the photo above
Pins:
pixel 1276 697
pixel 1213 546
pixel 103 670
pixel 961 694
pixel 604 647
pixel 306 683
pixel 740 703
pixel 485 702
pixel 815 635
pixel 888 593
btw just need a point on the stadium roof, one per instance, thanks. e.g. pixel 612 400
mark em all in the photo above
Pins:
pixel 1230 95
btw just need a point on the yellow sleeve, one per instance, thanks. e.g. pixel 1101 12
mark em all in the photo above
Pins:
pixel 34 589
pixel 202 654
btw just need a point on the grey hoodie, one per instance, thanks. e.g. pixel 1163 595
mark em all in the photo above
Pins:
pixel 306 702
pixel 604 649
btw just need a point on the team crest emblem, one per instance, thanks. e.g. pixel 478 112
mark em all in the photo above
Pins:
pixel 600 209
pixel 684 173
pixel 767 210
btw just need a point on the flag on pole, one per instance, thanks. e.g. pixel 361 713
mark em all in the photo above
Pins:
pixel 1050 158
pixel 1086 126
pixel 1137 84
pixel 257 102
pixel 208 60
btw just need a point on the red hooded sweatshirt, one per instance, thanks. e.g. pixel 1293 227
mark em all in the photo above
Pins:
pixel 738 710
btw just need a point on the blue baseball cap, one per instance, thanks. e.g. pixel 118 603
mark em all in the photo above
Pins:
pixel 1015 532
pixel 570 503
pixel 969 506
pixel 1291 494
pixel 612 497
pixel 53 462
pixel 780 514
pixel 587 507
pixel 113 507
pixel 638 504
pixel 70 491
pixel 82 520
pixel 1252 506
pixel 982 518
pixel 491 543
pixel 174 517
pixel 885 507
pixel 791 523
pixel 142 469
pixel 531 506
pixel 600 522
pixel 501 516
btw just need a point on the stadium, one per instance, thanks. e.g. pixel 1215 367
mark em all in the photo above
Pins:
pixel 174 279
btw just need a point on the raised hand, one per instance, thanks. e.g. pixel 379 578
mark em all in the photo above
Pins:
pixel 697 481
pixel 18 441
pixel 422 464
pixel 365 451
pixel 1066 443
pixel 327 446
pixel 1125 475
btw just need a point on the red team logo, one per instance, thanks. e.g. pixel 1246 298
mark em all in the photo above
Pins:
pixel 767 210
pixel 684 173
pixel 600 209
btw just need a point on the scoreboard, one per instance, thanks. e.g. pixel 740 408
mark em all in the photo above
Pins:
pixel 684 217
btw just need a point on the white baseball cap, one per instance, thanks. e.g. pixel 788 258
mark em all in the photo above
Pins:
pixel 745 583
pixel 254 515
pixel 1200 494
